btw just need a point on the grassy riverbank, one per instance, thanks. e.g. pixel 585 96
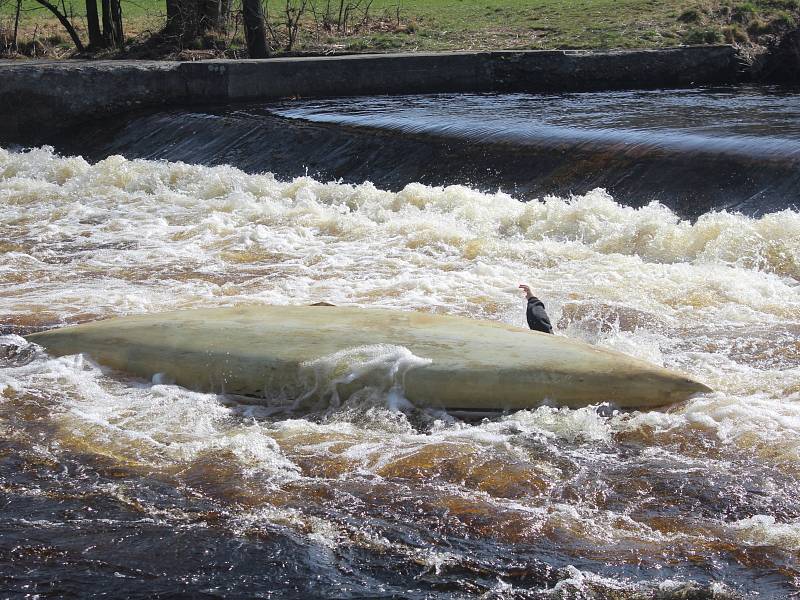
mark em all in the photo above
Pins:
pixel 430 25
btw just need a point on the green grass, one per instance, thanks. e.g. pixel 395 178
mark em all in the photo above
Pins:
pixel 471 24
pixel 431 25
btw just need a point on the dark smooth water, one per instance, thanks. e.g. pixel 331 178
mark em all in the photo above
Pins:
pixel 737 121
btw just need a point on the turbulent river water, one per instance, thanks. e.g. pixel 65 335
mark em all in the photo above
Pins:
pixel 118 486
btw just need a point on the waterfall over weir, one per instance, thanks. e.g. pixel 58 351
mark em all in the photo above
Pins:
pixel 692 150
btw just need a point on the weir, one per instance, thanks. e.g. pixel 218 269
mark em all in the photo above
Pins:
pixel 639 146
pixel 38 98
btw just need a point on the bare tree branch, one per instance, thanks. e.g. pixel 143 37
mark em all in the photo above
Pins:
pixel 65 22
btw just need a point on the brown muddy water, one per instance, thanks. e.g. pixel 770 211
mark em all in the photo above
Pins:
pixel 118 487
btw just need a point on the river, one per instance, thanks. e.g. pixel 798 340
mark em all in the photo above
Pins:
pixel 120 486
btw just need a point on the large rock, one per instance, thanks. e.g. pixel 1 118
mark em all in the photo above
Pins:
pixel 782 62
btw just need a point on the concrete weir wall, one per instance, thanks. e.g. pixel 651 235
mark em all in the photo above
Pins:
pixel 37 98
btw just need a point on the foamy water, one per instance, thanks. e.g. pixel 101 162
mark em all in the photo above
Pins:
pixel 703 494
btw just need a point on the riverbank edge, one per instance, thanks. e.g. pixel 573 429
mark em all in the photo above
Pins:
pixel 39 98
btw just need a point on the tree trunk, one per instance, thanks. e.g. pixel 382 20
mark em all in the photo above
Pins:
pixel 16 27
pixel 65 22
pixel 93 24
pixel 106 14
pixel 185 18
pixel 116 22
pixel 254 29
pixel 188 19
pixel 174 24
pixel 112 23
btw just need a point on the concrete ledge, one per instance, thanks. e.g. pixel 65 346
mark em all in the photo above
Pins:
pixel 38 97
